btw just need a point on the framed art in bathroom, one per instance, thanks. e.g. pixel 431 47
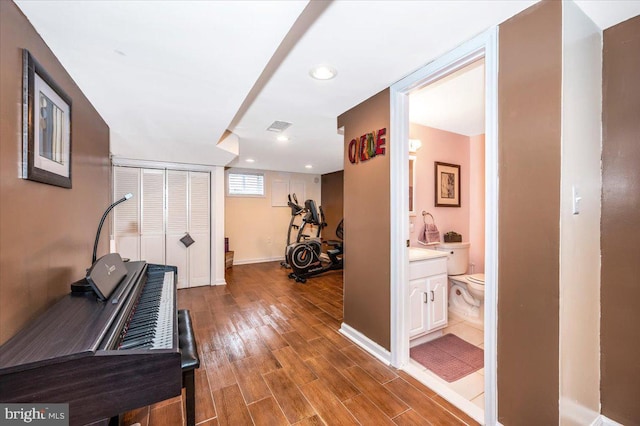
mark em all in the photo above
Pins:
pixel 447 185
pixel 46 144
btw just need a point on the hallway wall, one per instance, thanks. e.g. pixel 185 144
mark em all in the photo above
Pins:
pixel 529 143
pixel 620 237
pixel 47 232
pixel 367 264
pixel 579 234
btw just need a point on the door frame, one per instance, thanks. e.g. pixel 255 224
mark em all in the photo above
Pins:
pixel 484 45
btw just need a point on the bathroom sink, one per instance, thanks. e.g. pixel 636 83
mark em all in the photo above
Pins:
pixel 417 253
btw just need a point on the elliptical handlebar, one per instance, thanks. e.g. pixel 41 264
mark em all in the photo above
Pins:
pixel 323 224
pixel 296 209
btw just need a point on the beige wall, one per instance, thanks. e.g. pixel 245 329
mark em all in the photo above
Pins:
pixel 579 234
pixel 620 237
pixel 529 136
pixel 367 225
pixel 46 232
pixel 257 231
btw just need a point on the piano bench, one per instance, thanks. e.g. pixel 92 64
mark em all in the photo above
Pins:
pixel 190 361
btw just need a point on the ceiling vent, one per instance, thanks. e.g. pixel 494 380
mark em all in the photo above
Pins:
pixel 278 126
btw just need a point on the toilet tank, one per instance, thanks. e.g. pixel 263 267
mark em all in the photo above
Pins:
pixel 457 257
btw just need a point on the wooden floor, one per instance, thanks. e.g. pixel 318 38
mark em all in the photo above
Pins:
pixel 271 354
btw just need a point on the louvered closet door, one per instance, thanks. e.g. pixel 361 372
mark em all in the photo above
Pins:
pixel 152 238
pixel 177 223
pixel 126 216
pixel 199 229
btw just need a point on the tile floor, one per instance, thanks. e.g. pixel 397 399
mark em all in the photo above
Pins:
pixel 271 354
pixel 470 387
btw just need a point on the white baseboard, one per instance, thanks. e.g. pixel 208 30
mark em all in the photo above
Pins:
pixel 219 282
pixel 604 421
pixel 365 343
pixel 573 412
pixel 257 260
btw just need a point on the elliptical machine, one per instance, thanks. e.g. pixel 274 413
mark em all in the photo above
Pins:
pixel 308 219
pixel 296 210
pixel 306 257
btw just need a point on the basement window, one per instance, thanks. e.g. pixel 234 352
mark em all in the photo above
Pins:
pixel 245 184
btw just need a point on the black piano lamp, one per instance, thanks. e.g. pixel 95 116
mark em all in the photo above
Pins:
pixel 104 216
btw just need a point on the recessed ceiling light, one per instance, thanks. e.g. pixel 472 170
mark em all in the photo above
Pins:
pixel 282 138
pixel 322 72
pixel 250 160
pixel 308 166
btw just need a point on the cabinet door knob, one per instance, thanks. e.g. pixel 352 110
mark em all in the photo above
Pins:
pixel 432 296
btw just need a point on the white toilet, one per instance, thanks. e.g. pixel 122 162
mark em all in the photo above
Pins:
pixel 466 292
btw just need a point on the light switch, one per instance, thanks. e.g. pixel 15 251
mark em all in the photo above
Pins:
pixel 411 227
pixel 576 199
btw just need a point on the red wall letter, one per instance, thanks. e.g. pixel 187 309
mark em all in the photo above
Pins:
pixel 363 148
pixel 380 148
pixel 353 148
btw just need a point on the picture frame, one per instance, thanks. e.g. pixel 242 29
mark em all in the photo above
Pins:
pixel 46 122
pixel 447 184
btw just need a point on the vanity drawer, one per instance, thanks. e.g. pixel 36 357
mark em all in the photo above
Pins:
pixel 428 267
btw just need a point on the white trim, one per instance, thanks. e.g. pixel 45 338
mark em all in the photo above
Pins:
pixel 218 282
pixel 217 212
pixel 258 260
pixel 491 228
pixel 485 45
pixel 399 165
pixel 445 391
pixel 605 421
pixel 572 412
pixel 365 343
pixel 150 164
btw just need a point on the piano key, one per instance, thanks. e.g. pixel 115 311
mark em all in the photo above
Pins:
pixel 136 342
pixel 151 321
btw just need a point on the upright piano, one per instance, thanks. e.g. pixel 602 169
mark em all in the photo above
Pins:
pixel 102 357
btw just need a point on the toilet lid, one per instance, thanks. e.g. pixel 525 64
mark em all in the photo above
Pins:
pixel 476 278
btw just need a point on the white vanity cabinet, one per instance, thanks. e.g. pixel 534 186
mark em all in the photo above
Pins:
pixel 427 292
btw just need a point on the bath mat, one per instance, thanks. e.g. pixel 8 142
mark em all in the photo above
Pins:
pixel 450 357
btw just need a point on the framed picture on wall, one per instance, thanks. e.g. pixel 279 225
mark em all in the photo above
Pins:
pixel 447 185
pixel 46 126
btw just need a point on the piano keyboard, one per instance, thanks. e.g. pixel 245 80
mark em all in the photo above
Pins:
pixel 151 320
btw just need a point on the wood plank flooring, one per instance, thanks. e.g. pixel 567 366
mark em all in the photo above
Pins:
pixel 271 354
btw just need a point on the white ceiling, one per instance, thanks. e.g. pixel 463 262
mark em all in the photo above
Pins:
pixel 454 103
pixel 170 77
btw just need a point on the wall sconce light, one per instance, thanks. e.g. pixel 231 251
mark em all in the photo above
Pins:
pixel 414 145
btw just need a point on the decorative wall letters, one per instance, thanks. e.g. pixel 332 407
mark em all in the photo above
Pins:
pixel 367 146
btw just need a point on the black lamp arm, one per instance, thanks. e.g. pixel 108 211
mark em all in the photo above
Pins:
pixel 104 216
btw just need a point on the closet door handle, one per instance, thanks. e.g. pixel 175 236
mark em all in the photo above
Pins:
pixel 432 296
pixel 425 298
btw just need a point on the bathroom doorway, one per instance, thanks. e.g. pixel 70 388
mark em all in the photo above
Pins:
pixel 466 159
pixel 446 125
